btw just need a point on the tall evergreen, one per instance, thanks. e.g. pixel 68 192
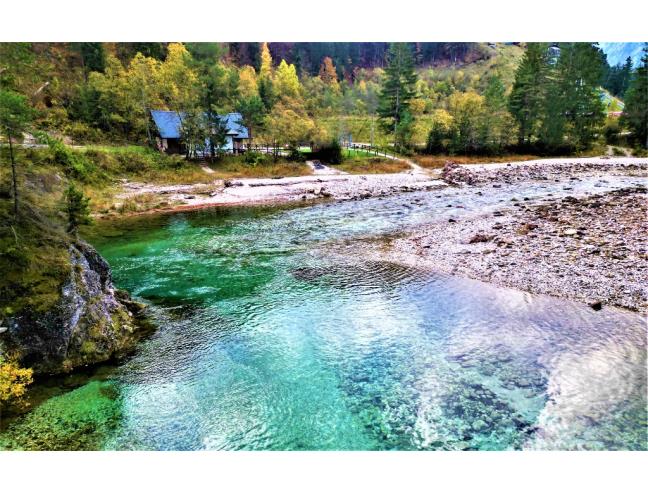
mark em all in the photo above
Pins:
pixel 635 113
pixel 578 75
pixel 527 96
pixel 397 91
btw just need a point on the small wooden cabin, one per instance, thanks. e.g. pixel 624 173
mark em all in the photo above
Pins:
pixel 169 138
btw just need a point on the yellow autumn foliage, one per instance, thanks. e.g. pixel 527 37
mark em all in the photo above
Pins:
pixel 13 382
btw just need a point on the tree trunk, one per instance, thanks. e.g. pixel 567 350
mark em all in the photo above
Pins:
pixel 14 179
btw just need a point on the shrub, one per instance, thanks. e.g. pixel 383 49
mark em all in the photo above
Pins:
pixel 331 153
pixel 255 158
pixel 13 382
pixel 295 155
pixel 74 163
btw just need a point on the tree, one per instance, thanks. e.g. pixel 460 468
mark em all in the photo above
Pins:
pixel 635 113
pixel 93 57
pixel 327 72
pixel 178 78
pixel 253 113
pixel 247 85
pixel 498 127
pixel 265 66
pixel 77 208
pixel 286 82
pixel 527 96
pixel 144 86
pixel 466 109
pixel 289 126
pixel 15 115
pixel 578 75
pixel 440 134
pixel 397 90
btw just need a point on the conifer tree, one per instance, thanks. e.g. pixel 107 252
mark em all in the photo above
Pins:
pixel 77 208
pixel 397 92
pixel 578 75
pixel 635 113
pixel 265 66
pixel 327 71
pixel 15 115
pixel 527 95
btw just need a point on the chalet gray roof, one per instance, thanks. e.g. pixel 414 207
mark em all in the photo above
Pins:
pixel 168 124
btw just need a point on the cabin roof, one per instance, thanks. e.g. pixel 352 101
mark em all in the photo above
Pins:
pixel 168 124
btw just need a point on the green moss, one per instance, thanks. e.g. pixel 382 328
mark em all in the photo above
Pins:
pixel 79 420
pixel 88 347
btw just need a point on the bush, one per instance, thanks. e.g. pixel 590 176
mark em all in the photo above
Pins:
pixel 255 158
pixel 74 163
pixel 330 153
pixel 13 382
pixel 611 131
pixel 294 155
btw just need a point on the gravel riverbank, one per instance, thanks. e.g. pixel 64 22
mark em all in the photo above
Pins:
pixel 592 249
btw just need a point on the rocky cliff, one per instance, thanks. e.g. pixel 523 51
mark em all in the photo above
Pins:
pixel 90 322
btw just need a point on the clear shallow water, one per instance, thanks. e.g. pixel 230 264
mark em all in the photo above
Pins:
pixel 267 342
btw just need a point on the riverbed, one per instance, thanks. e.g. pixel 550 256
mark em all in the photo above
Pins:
pixel 277 333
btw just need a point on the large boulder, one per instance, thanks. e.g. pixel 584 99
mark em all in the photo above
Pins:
pixel 91 322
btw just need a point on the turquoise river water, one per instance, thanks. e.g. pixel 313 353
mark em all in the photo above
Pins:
pixel 276 334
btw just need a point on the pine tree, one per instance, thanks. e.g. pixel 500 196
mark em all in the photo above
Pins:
pixel 397 91
pixel 578 75
pixel 527 95
pixel 15 115
pixel 635 113
pixel 77 208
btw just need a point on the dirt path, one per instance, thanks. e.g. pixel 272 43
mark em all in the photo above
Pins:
pixel 320 169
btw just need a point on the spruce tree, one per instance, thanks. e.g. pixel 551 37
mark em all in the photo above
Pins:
pixel 397 91
pixel 527 96
pixel 635 113
pixel 578 75
pixel 15 115
pixel 77 208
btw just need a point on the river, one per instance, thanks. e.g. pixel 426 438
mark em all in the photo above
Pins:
pixel 273 337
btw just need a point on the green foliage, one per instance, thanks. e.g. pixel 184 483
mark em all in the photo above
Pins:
pixel 15 114
pixel 397 92
pixel 255 158
pixel 527 95
pixel 330 153
pixel 93 56
pixel 635 114
pixel 556 101
pixel 77 208
pixel 617 79
pixel 74 163
pixel 253 112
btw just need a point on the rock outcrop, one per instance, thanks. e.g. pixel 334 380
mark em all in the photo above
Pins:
pixel 91 322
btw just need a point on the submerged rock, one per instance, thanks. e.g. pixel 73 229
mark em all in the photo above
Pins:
pixel 91 322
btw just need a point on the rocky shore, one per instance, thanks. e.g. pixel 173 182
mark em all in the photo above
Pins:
pixel 266 191
pixel 592 249
pixel 91 322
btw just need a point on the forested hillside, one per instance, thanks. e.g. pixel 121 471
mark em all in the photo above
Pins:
pixel 460 97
